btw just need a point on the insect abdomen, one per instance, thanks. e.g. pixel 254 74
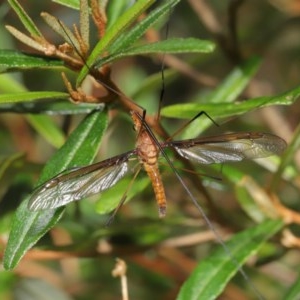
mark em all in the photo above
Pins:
pixel 154 175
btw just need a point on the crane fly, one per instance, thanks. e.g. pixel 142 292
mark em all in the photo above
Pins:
pixel 76 184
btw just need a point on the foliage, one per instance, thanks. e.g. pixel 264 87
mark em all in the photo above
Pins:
pixel 64 122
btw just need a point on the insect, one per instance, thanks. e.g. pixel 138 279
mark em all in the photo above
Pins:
pixel 79 183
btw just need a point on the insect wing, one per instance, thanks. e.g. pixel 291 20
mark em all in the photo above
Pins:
pixel 230 147
pixel 79 183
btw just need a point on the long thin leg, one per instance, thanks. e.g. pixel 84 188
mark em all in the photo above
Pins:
pixel 123 199
pixel 198 115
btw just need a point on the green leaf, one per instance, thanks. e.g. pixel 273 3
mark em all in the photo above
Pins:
pixel 11 60
pixel 211 276
pixel 20 101
pixel 235 83
pixel 75 4
pixel 51 107
pixel 25 19
pixel 222 110
pixel 293 291
pixel 9 84
pixel 114 11
pixel 47 129
pixel 42 124
pixel 31 96
pixel 175 45
pixel 142 26
pixel 255 201
pixel 226 92
pixel 8 284
pixel 80 149
pixel 7 162
pixel 287 158
pixel 114 31
pixel 248 205
pixel 15 98
pixel 26 229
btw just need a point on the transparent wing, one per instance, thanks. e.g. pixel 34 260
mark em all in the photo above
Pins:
pixel 229 147
pixel 79 183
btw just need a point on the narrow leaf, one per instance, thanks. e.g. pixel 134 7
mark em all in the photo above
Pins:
pixel 80 149
pixel 11 59
pixel 235 83
pixel 287 158
pixel 25 39
pixel 60 28
pixel 211 276
pixel 114 11
pixel 22 102
pixel 222 110
pixel 9 84
pixel 44 126
pixel 116 30
pixel 9 161
pixel 69 3
pixel 255 201
pixel 31 96
pixel 131 36
pixel 226 92
pixel 293 291
pixel 51 107
pixel 25 19
pixel 175 46
pixel 47 129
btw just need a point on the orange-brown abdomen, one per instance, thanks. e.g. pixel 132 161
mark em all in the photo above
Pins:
pixel 159 191
pixel 148 153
